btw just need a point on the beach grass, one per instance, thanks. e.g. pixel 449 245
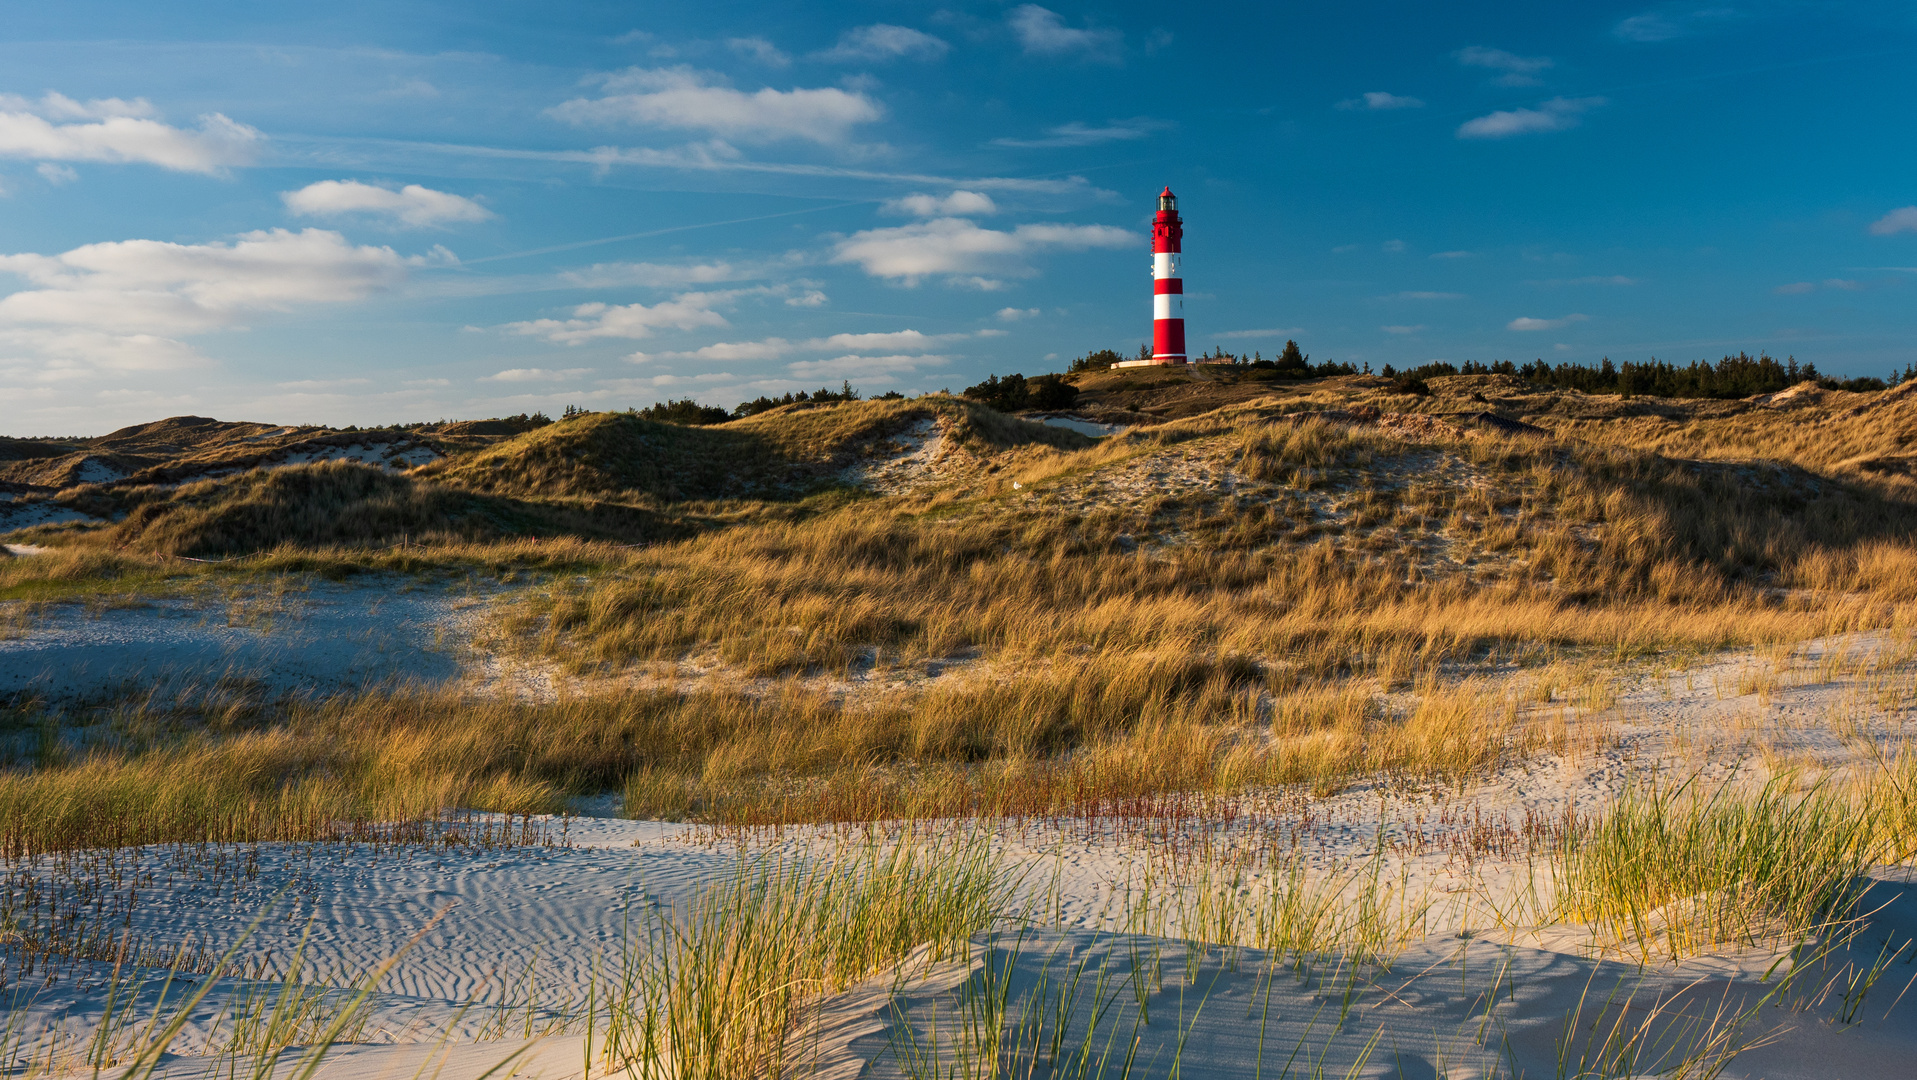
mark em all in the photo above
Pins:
pixel 1682 869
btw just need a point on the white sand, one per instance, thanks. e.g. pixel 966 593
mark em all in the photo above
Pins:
pixel 1096 429
pixel 523 928
pixel 326 638
pixel 26 513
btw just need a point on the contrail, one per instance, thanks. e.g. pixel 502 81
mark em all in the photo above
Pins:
pixel 575 245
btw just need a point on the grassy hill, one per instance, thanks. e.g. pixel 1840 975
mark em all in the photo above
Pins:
pixel 202 488
pixel 1256 581
pixel 781 454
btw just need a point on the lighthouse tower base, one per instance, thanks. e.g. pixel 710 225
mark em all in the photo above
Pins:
pixel 1169 361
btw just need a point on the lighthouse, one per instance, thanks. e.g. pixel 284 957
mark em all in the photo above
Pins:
pixel 1168 286
pixel 1168 282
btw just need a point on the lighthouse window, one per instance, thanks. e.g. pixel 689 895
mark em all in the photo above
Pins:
pixel 1168 202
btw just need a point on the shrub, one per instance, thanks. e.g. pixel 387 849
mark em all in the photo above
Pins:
pixel 822 395
pixel 1015 392
pixel 685 411
pixel 1098 360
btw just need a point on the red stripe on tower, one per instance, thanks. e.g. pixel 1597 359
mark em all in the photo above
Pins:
pixel 1168 283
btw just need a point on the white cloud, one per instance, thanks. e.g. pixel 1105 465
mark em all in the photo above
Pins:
pixel 1900 220
pixel 852 367
pixel 123 304
pixel 1080 134
pixel 1557 114
pixel 898 339
pixel 881 42
pixel 1379 99
pixel 661 275
pixel 808 298
pixel 1515 70
pixel 1012 314
pixel 55 106
pixel 1453 255
pixel 1402 329
pixel 114 130
pixel 963 252
pixel 1676 21
pixel 724 351
pixel 533 374
pixel 686 311
pixel 136 286
pixel 1043 32
pixel 1648 27
pixel 957 204
pixel 421 207
pixel 76 354
pixel 412 88
pixel 1545 324
pixel 1392 247
pixel 1799 288
pixel 420 383
pixel 1426 296
pixel 321 384
pixel 56 174
pixel 683 98
pixel 774 348
pixel 761 50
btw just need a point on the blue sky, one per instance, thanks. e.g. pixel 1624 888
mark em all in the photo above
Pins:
pixel 382 212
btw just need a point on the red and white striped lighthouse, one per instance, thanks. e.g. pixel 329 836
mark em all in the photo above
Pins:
pixel 1168 283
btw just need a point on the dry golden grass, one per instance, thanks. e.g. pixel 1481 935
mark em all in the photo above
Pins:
pixel 776 455
pixel 1077 739
pixel 1195 638
pixel 826 592
pixel 1832 427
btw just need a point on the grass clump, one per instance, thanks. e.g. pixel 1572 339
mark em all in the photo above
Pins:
pixel 719 988
pixel 1677 872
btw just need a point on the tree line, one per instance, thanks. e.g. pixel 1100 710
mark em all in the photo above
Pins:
pixel 1292 362
pixel 688 411
pixel 1732 377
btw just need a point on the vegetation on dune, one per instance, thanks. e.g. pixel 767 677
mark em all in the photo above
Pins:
pixel 1676 871
pixel 1871 439
pixel 1212 604
pixel 348 505
pixel 1075 741
pixel 97 570
pixel 1583 542
pixel 781 454
pixel 821 396
pixel 690 412
pixel 1732 377
pixel 1156 631
pixel 1015 392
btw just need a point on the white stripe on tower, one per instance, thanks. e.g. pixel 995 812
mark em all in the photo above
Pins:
pixel 1168 286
